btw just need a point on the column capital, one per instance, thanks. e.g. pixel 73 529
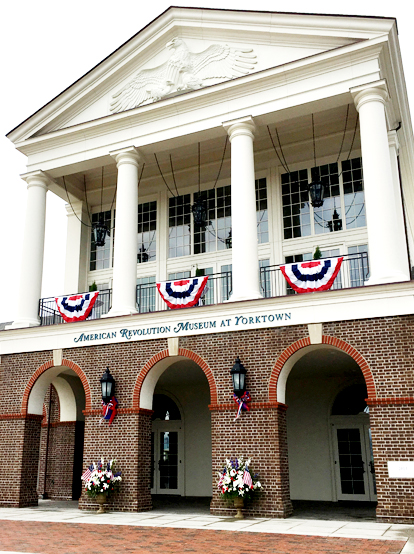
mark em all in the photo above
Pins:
pixel 36 179
pixel 371 92
pixel 241 126
pixel 128 155
pixel 75 208
pixel 393 141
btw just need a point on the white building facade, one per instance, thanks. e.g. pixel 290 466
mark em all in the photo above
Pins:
pixel 239 111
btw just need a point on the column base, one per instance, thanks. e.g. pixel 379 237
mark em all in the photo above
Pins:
pixel 23 323
pixel 116 312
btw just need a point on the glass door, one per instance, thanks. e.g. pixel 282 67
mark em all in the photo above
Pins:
pixel 353 460
pixel 166 458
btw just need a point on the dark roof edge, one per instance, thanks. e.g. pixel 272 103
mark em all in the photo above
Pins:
pixel 187 8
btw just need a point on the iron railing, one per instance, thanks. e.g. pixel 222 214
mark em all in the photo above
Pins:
pixel 49 314
pixel 217 290
pixel 353 273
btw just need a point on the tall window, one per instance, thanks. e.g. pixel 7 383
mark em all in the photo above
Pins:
pixel 146 294
pixel 295 202
pixel 179 219
pixel 100 257
pixel 216 235
pixel 265 278
pixel 226 282
pixel 343 206
pixel 328 218
pixel 358 265
pixel 147 232
pixel 353 193
pixel 261 211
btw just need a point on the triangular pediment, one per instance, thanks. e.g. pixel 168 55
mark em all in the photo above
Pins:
pixel 186 50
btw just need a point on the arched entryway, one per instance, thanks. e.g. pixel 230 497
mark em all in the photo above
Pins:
pixel 178 390
pixel 328 431
pixel 57 392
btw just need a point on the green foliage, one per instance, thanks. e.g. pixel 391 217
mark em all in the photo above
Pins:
pixel 318 254
pixel 93 287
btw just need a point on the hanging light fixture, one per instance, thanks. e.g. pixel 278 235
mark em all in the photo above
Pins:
pixel 107 386
pixel 199 212
pixel 199 208
pixel 316 188
pixel 238 374
pixel 100 230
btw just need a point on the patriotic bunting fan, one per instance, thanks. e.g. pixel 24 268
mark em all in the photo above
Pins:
pixel 76 307
pixel 184 293
pixel 312 276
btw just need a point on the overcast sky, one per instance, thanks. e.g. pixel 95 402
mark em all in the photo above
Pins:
pixel 46 45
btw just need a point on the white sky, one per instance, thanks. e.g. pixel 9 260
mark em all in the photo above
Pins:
pixel 46 45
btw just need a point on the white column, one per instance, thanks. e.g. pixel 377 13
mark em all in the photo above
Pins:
pixel 32 251
pixel 76 248
pixel 394 147
pixel 385 260
pixel 246 283
pixel 126 228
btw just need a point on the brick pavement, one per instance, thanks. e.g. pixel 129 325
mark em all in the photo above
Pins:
pixel 70 538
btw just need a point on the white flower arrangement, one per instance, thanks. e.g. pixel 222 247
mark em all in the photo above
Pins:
pixel 100 478
pixel 235 480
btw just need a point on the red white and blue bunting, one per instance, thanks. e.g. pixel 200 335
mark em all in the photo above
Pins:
pixel 109 410
pixel 312 276
pixel 242 403
pixel 183 293
pixel 76 307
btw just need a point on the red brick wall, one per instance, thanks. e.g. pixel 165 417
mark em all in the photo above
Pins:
pixel 19 440
pixel 268 451
pixel 128 440
pixel 385 344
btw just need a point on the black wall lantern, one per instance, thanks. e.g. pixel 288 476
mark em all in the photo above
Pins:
pixel 238 374
pixel 100 230
pixel 316 189
pixel 107 386
pixel 228 240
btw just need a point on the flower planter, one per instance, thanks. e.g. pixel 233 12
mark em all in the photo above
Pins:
pixel 101 499
pixel 238 504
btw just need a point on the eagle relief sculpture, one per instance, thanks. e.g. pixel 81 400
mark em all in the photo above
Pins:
pixel 183 71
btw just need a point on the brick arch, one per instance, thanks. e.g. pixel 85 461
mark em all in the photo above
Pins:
pixel 164 354
pixel 47 365
pixel 331 341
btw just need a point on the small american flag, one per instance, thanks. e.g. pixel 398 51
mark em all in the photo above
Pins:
pixel 247 478
pixel 88 473
pixel 220 481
